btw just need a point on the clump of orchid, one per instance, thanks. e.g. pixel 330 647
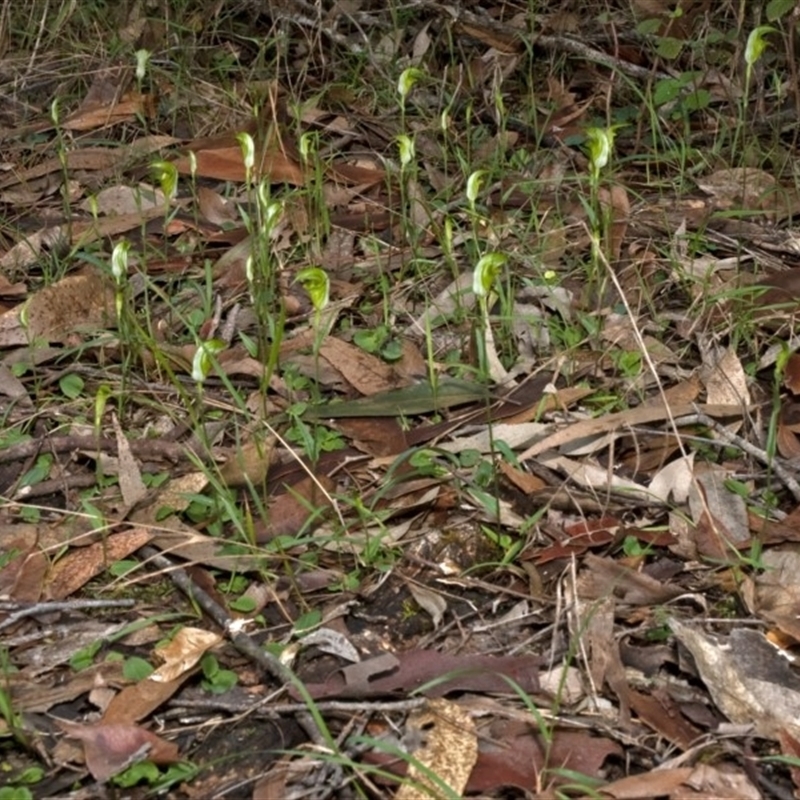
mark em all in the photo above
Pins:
pixel 318 211
pixel 262 267
pixel 317 285
pixel 600 149
pixel 119 272
pixel 408 78
pixel 165 174
pixel 203 360
pixel 484 279
pixel 755 48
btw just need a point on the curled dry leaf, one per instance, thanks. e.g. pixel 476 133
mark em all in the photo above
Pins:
pixel 431 601
pixel 187 647
pixel 674 479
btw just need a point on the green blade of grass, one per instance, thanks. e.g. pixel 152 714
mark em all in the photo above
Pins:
pixel 421 398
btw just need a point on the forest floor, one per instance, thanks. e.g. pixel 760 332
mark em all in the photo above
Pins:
pixel 399 400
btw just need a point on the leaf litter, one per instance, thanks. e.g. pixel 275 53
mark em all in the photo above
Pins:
pixel 425 414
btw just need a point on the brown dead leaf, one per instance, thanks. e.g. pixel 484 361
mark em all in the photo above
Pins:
pixel 751 189
pixel 593 621
pixel 376 436
pixel 604 577
pixel 429 600
pixel 45 693
pixel 11 290
pixel 276 157
pixel 656 783
pixel 720 515
pixel 680 394
pixel 790 747
pixel 514 754
pixel 116 200
pixel 175 537
pixel 783 293
pixel 788 440
pixel 363 371
pixel 674 480
pixel 777 531
pixel 22 577
pixel 777 588
pixel 661 713
pixel 791 374
pixel 524 481
pixel 85 158
pixel 91 159
pixel 357 175
pixel 725 379
pixel 130 107
pixel 138 701
pixel 78 567
pixel 67 638
pixel 723 780
pixel 414 668
pixel 497 37
pixel 248 465
pixel 272 784
pixel 215 208
pixel 109 749
pixel 131 484
pixel 78 302
pixel 633 416
pixel 227 164
pixel 306 501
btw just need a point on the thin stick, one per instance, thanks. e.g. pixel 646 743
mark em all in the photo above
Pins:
pixel 20 611
pixel 772 463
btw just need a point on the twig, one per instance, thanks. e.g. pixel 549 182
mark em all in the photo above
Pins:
pixel 556 43
pixel 144 448
pixel 577 48
pixel 241 641
pixel 56 486
pixel 20 611
pixel 238 707
pixel 774 464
